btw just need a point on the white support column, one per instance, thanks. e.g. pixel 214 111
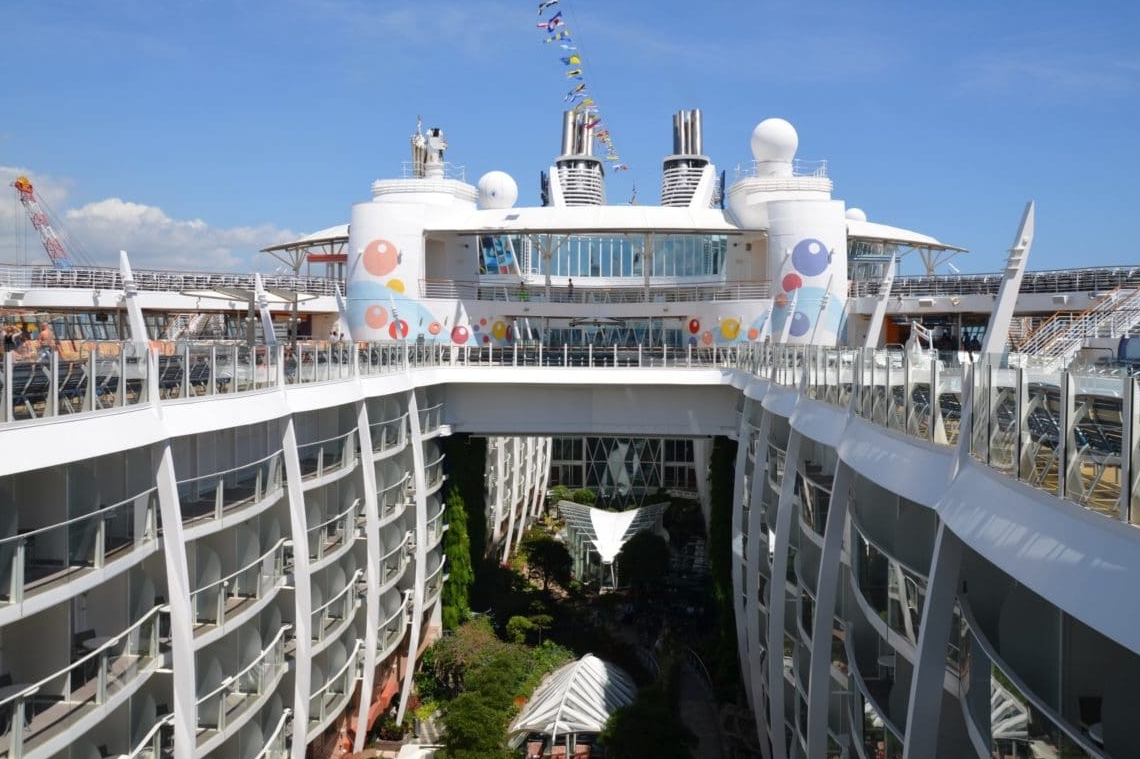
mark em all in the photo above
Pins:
pixel 181 618
pixel 826 596
pixel 777 604
pixel 997 331
pixel 372 576
pixel 503 494
pixel 925 709
pixel 302 590
pixel 421 552
pixel 739 587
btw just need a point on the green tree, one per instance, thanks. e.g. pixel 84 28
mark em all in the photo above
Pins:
pixel 584 496
pixel 647 728
pixel 518 627
pixel 547 556
pixel 560 493
pixel 455 597
pixel 644 561
pixel 474 728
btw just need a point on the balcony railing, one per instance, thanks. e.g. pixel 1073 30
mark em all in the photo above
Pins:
pixel 632 291
pixel 331 696
pixel 337 530
pixel 48 384
pixel 238 693
pixel 213 603
pixel 393 499
pixel 276 745
pixel 211 496
pixel 392 563
pixel 109 278
pixel 436 528
pixel 331 616
pixel 430 419
pixel 152 744
pixel 42 710
pixel 434 584
pixel 324 456
pixel 36 559
pixel 389 434
pixel 392 629
pixel 433 476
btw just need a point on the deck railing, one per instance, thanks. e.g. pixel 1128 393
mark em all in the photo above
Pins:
pixel 249 583
pixel 392 628
pixel 336 530
pixel 211 495
pixel 120 662
pixel 331 695
pixel 39 558
pixel 392 499
pixel 389 434
pixel 336 610
pixel 321 457
pixel 234 694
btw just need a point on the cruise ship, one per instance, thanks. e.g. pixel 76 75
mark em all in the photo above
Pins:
pixel 221 496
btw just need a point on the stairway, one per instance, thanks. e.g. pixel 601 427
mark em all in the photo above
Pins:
pixel 1056 343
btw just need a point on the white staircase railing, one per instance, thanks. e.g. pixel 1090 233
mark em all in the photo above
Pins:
pixel 1057 342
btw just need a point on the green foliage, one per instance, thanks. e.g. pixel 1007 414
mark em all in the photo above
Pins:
pixel 547 556
pixel 584 496
pixel 464 460
pixel 456 546
pixel 647 727
pixel 560 493
pixel 644 561
pixel 518 628
pixel 722 470
pixel 474 728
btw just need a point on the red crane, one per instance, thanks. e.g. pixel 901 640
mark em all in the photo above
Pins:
pixel 42 223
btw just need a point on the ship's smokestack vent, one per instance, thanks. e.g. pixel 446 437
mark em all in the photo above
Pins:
pixel 577 176
pixel 684 182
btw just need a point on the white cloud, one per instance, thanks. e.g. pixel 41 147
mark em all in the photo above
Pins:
pixel 95 232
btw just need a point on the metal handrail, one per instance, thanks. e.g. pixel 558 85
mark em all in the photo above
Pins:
pixel 228 682
pixel 223 472
pixel 81 518
pixel 224 581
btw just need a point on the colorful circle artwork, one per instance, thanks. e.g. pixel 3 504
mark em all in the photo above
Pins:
pixel 791 282
pixel 694 325
pixel 483 321
pixel 753 334
pixel 707 338
pixel 434 328
pixel 376 317
pixel 381 258
pixel 810 257
pixel 486 338
pixel 398 329
pixel 459 334
pixel 396 285
pixel 499 330
pixel 780 300
pixel 693 340
pixel 800 324
pixel 730 328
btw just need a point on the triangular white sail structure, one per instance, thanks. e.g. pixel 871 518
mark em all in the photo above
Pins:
pixel 577 698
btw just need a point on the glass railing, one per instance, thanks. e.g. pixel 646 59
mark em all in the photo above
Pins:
pixel 317 362
pixel 331 616
pixel 434 584
pixel 324 456
pixel 160 735
pixel 188 369
pixel 436 527
pixel 49 383
pixel 334 531
pixel 114 664
pixel 1006 718
pixel 32 560
pixel 331 696
pixel 392 628
pixel 430 419
pixel 238 693
pixel 390 434
pixel 433 475
pixel 211 496
pixel 211 603
pixel 393 499
pixel 277 744
pixel 392 563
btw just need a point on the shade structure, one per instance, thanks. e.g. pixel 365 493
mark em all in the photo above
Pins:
pixel 577 698
pixel 608 531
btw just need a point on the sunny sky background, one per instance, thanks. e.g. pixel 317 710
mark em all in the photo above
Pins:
pixel 194 132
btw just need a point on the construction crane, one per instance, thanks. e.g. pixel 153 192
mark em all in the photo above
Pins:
pixel 42 223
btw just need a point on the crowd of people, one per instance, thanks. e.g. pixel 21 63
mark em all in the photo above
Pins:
pixel 25 346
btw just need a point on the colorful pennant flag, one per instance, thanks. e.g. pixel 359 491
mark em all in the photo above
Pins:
pixel 545 5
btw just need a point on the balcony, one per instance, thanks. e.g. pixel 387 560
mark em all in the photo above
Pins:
pixel 433 476
pixel 435 529
pixel 332 536
pixel 330 618
pixel 392 629
pixel 229 704
pixel 433 585
pixel 392 564
pixel 388 436
pixel 430 420
pixel 239 593
pixel 46 714
pixel 35 560
pixel 325 457
pixel 333 694
pixel 246 489
pixel 392 500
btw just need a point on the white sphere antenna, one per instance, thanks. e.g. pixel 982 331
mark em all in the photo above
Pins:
pixel 774 143
pixel 856 214
pixel 497 189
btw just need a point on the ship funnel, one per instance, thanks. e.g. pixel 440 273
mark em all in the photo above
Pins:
pixel 576 177
pixel 688 177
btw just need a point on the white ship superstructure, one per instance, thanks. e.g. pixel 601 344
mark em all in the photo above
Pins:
pixel 232 547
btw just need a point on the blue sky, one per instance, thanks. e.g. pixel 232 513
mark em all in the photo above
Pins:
pixel 193 132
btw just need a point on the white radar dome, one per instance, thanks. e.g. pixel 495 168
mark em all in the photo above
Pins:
pixel 774 140
pixel 856 214
pixel 497 189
